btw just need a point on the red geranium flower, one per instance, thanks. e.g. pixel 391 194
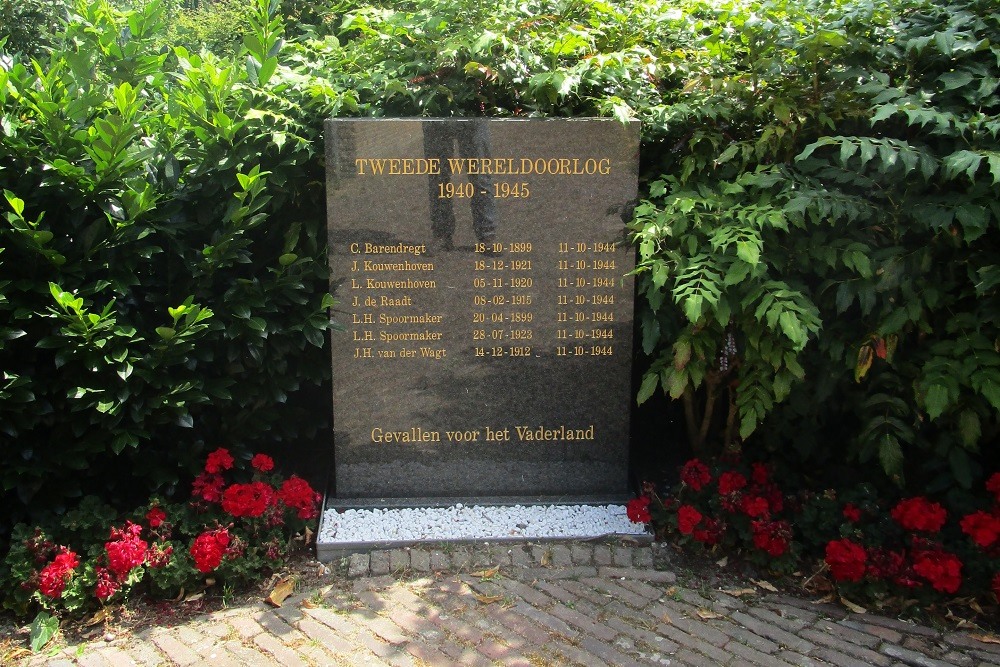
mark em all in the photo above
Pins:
pixel 297 494
pixel 709 531
pixel 993 485
pixel 754 507
pixel 637 510
pixel 208 487
pixel 942 569
pixel 54 576
pixel 156 517
pixel 730 482
pixel 126 550
pixel 771 537
pixel 695 474
pixel 106 584
pixel 251 499
pixel 262 462
pixel 846 559
pixel 687 518
pixel 759 473
pixel 218 461
pixel 209 548
pixel 852 512
pixel 982 527
pixel 919 514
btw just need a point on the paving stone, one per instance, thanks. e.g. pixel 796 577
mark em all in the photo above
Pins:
pixel 849 634
pixel 582 554
pixel 632 573
pixel 752 656
pixel 357 565
pixel 399 560
pixel 379 563
pixel 839 659
pixel 602 555
pixel 461 559
pixel 774 633
pixel 962 640
pixel 440 561
pixel 843 646
pixel 801 660
pixel 575 572
pixel 373 583
pixel 545 619
pixel 882 632
pixel 622 556
pixel 644 557
pixel 911 657
pixel 420 560
pixel 540 554
pixel 175 650
pixel 607 653
pixel 688 656
pixel 561 555
pixel 522 556
pixel 744 636
pixel 958 659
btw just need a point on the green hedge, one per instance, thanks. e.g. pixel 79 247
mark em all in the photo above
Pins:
pixel 162 277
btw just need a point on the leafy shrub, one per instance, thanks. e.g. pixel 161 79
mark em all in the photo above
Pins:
pixel 30 26
pixel 219 26
pixel 819 257
pixel 162 280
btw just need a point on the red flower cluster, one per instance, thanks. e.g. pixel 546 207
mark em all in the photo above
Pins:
pixel 218 461
pixel 709 532
pixel 942 569
pixel 695 474
pixel 107 585
pixel 637 510
pixel 156 517
pixel 982 527
pixel 208 487
pixel 297 494
pixel 754 507
pixel 852 512
pixel 771 537
pixel 209 548
pixel 262 462
pixel 53 578
pixel 891 566
pixel 250 500
pixel 126 550
pixel 919 514
pixel 993 486
pixel 730 482
pixel 687 518
pixel 846 559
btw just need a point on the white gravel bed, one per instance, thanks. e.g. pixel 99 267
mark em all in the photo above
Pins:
pixel 464 522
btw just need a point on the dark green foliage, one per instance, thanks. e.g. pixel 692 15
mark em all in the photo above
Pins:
pixel 162 279
pixel 218 26
pixel 30 26
pixel 831 203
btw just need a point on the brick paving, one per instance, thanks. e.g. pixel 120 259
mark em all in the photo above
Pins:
pixel 529 605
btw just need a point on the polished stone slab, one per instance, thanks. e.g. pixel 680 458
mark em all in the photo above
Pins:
pixel 481 271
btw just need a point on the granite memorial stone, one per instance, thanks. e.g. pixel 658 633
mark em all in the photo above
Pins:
pixel 481 272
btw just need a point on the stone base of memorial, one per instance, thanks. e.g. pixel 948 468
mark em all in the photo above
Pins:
pixel 352 530
pixel 482 273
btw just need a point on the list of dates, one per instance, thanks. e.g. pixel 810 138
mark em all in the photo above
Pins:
pixel 516 300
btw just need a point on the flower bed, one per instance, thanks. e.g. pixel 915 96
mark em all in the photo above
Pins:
pixel 913 551
pixel 237 526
